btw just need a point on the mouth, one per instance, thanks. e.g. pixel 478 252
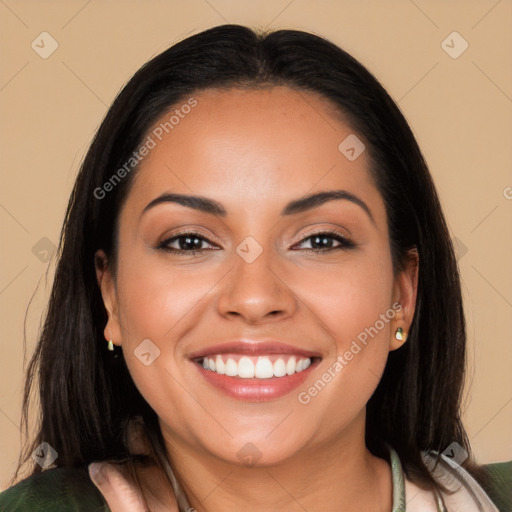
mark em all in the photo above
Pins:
pixel 260 367
pixel 255 371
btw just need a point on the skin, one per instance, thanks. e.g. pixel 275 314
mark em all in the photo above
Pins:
pixel 253 151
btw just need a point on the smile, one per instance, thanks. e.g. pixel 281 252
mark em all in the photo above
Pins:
pixel 255 371
pixel 260 367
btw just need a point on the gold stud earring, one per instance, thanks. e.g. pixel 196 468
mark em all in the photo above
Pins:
pixel 400 335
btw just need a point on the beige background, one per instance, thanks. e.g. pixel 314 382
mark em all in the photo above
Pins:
pixel 460 110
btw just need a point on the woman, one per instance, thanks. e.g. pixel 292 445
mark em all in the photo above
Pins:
pixel 256 304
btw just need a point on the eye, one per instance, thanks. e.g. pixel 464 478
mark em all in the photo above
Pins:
pixel 192 243
pixel 187 243
pixel 323 241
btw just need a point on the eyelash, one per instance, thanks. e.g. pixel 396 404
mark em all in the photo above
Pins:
pixel 344 242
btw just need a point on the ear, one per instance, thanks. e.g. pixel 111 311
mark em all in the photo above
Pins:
pixel 404 293
pixel 107 285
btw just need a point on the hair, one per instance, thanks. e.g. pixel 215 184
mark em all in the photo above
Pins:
pixel 87 397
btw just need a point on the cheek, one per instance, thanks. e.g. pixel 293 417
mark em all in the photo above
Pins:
pixel 349 298
pixel 353 303
pixel 161 303
pixel 156 300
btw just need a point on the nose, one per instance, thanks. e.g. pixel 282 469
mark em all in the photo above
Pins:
pixel 257 292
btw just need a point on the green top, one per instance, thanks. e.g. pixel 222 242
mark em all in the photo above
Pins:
pixel 500 487
pixel 58 489
pixel 71 490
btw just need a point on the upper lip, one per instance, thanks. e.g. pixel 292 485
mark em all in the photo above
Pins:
pixel 253 348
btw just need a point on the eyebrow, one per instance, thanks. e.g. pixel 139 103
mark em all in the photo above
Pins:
pixel 300 205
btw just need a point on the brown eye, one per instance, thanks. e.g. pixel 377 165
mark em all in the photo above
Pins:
pixel 323 241
pixel 184 243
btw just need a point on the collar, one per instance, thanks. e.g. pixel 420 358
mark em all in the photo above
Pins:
pixel 399 485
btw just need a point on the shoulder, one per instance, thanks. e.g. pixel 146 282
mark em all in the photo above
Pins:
pixel 499 486
pixel 63 489
pixel 465 492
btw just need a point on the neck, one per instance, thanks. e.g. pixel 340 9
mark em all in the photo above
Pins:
pixel 337 475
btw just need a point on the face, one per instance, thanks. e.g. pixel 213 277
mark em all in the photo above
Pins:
pixel 256 323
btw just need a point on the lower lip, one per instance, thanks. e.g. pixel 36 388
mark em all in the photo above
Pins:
pixel 256 390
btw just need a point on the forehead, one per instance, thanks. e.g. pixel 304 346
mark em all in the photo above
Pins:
pixel 244 146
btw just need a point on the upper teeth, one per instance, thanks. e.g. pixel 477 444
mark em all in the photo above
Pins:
pixel 260 367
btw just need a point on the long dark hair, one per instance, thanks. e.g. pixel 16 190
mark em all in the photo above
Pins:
pixel 87 397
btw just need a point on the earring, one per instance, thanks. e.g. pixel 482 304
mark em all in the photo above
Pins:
pixel 110 345
pixel 400 335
